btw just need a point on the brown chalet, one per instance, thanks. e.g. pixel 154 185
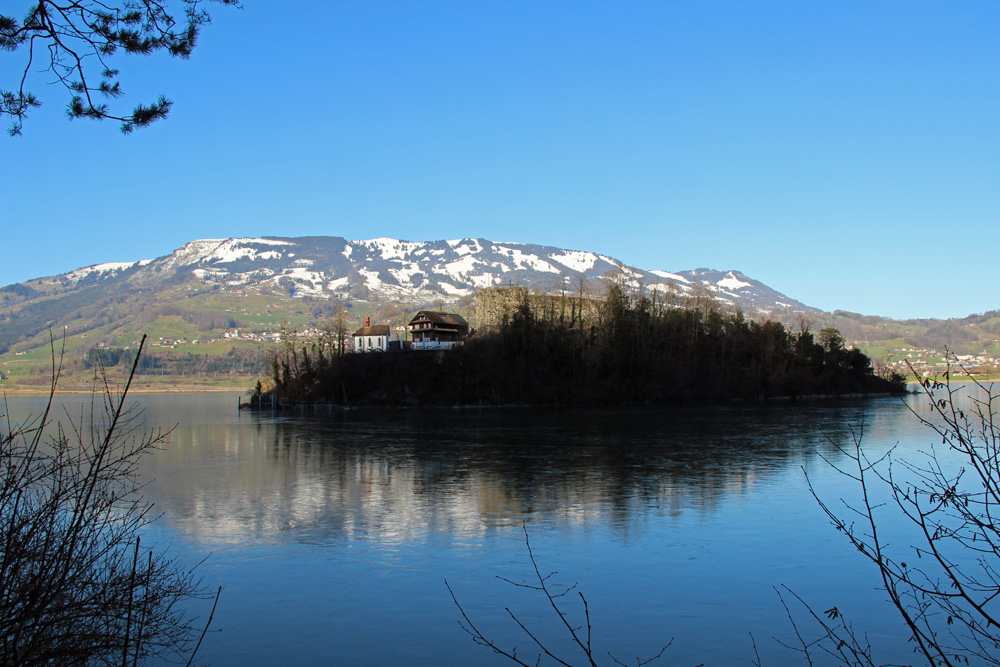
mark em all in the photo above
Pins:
pixel 433 330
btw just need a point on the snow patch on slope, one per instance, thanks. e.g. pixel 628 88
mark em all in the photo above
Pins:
pixel 670 276
pixel 461 267
pixel 387 248
pixel 731 282
pixel 404 274
pixel 372 281
pixel 484 280
pixel 451 290
pixel 526 261
pixel 338 284
pixel 192 253
pixel 221 251
pixel 576 260
pixel 208 274
pixel 232 250
pixel 465 246
pixel 106 267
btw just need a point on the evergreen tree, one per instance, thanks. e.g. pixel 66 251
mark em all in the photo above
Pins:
pixel 74 40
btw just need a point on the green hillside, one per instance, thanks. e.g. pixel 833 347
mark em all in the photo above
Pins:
pixel 196 336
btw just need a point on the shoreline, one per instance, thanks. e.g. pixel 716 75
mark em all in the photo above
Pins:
pixel 17 391
pixel 300 407
pixel 912 386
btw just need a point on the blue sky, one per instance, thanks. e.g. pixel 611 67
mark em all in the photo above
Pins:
pixel 846 154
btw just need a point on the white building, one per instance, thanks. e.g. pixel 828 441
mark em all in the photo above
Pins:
pixel 371 337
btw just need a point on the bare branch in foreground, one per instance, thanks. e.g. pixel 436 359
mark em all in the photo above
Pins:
pixel 580 638
pixel 72 590
pixel 945 584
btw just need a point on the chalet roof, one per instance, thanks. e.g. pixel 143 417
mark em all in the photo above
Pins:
pixel 438 317
pixel 373 330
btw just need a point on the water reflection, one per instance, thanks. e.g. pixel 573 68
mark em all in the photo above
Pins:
pixel 395 476
pixel 333 531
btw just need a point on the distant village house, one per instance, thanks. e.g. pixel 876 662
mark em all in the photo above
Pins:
pixel 434 330
pixel 371 337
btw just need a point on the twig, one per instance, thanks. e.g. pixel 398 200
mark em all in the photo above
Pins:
pixel 584 644
pixel 204 630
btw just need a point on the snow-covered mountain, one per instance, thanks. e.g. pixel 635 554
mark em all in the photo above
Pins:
pixel 412 272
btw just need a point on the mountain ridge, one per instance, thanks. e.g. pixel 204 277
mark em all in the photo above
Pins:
pixel 239 296
pixel 411 272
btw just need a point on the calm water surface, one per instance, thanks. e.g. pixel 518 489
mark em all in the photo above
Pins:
pixel 333 532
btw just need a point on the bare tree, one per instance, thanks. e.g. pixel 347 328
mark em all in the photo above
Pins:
pixel 944 584
pixel 74 40
pixel 76 586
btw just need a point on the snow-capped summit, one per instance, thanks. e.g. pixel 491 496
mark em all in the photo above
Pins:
pixel 407 271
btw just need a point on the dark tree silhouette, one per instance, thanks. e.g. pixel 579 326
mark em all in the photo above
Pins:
pixel 637 350
pixel 76 586
pixel 75 41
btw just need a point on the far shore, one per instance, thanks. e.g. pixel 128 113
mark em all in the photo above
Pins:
pixel 959 380
pixel 173 390
pixel 180 388
pixel 913 386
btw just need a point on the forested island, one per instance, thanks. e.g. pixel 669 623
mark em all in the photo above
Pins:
pixel 636 351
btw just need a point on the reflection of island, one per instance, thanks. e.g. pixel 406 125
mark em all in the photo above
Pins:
pixel 396 476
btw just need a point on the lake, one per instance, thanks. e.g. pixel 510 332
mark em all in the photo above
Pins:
pixel 333 532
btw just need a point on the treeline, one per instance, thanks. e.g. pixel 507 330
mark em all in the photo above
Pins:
pixel 236 361
pixel 641 351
